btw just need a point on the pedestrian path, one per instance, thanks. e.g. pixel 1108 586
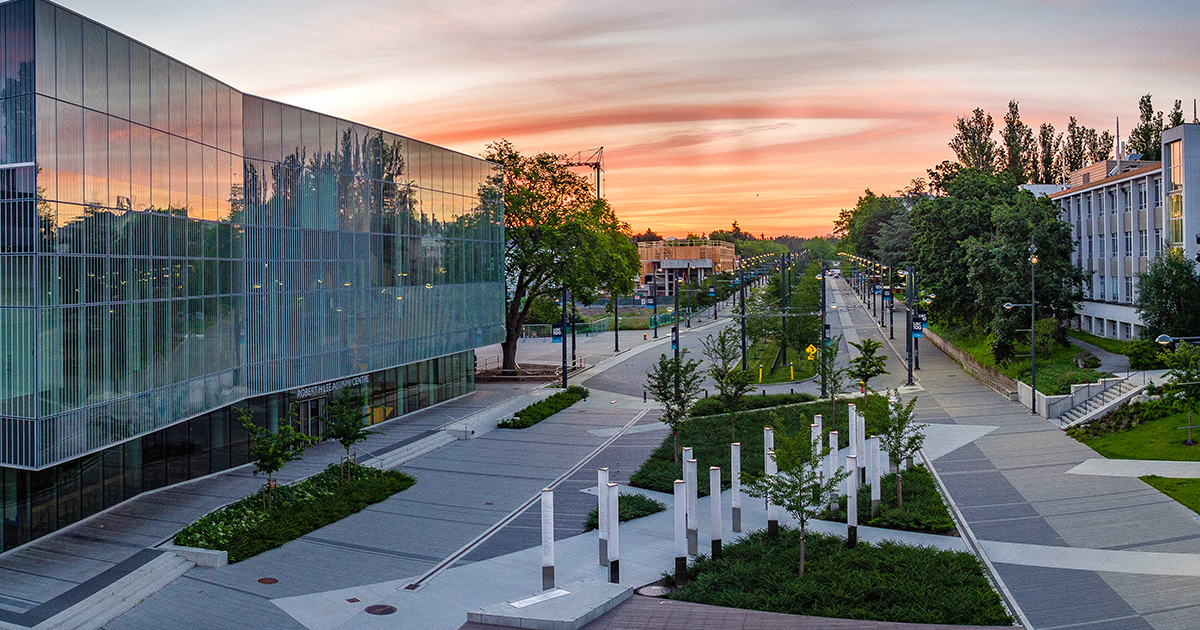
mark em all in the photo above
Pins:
pixel 1110 362
pixel 1014 485
pixel 1137 468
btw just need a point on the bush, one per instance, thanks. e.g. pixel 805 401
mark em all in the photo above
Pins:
pixel 1086 359
pixel 884 582
pixel 543 409
pixel 712 406
pixel 1132 414
pixel 923 509
pixel 629 507
pixel 709 437
pixel 1050 334
pixel 246 528
pixel 1145 355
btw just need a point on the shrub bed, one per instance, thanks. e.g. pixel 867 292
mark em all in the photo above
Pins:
pixel 885 582
pixel 629 507
pixel 543 409
pixel 712 406
pixel 709 437
pixel 248 527
pixel 923 509
pixel 1131 415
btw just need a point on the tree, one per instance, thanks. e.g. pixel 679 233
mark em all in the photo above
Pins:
pixel 1146 136
pixel 557 232
pixel 895 241
pixel 723 352
pixel 900 436
pixel 1019 152
pixel 1099 146
pixel 867 365
pixel 675 385
pixel 1183 368
pixel 649 236
pixel 973 143
pixel 1074 151
pixel 1175 118
pixel 346 421
pixel 271 451
pixel 1048 166
pixel 799 486
pixel 830 374
pixel 1166 297
pixel 862 227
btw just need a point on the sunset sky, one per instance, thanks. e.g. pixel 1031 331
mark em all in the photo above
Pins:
pixel 775 114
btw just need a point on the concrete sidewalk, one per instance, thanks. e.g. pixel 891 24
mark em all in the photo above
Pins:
pixel 1012 485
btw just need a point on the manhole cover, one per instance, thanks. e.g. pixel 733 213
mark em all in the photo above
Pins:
pixel 380 609
pixel 653 591
pixel 268 581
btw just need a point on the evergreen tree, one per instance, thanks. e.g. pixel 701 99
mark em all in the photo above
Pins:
pixel 1049 167
pixel 973 143
pixel 1146 137
pixel 1020 152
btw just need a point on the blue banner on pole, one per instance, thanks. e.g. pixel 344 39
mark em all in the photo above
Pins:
pixel 556 334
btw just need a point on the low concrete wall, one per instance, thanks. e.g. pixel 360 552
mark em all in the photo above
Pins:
pixel 987 375
pixel 1052 407
pixel 202 557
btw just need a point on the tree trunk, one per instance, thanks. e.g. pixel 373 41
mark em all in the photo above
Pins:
pixel 899 491
pixel 508 348
pixel 802 541
pixel 675 439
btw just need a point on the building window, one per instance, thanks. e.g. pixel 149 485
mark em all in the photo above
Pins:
pixel 1125 330
pixel 1157 192
pixel 1112 202
pixel 1088 202
pixel 1101 240
pixel 1128 244
pixel 1175 173
pixel 1113 241
pixel 1141 190
pixel 1175 220
pixel 1115 286
pixel 1142 243
pixel 1101 287
pixel 1158 242
pixel 1128 289
pixel 1127 198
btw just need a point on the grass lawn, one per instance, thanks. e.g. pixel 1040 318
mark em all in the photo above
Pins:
pixel 885 582
pixel 1116 346
pixel 247 528
pixel 1185 491
pixel 709 436
pixel 629 507
pixel 1056 372
pixel 762 355
pixel 923 509
pixel 1156 439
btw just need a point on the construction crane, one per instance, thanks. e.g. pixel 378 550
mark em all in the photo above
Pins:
pixel 594 161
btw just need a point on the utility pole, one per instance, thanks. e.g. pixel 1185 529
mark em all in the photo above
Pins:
pixel 616 323
pixel 742 292
pixel 908 315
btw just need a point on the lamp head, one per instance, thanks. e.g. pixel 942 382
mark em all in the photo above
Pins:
pixel 1008 305
pixel 1163 340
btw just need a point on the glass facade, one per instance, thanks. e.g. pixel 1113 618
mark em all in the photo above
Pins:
pixel 170 246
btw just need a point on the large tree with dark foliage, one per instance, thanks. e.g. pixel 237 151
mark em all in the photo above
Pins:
pixel 1166 297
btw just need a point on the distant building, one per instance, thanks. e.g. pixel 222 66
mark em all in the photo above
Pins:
pixel 1123 213
pixel 695 259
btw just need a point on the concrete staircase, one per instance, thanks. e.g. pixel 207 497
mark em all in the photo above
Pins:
pixel 115 599
pixel 409 452
pixel 1099 404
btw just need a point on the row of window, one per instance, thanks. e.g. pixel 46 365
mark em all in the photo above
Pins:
pixel 1109 291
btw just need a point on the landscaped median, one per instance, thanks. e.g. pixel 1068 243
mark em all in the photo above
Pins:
pixel 543 409
pixel 882 582
pixel 923 509
pixel 269 519
pixel 629 507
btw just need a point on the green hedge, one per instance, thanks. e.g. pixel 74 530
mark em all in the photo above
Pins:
pixel 923 509
pixel 884 582
pixel 629 507
pixel 712 406
pixel 543 409
pixel 709 437
pixel 248 528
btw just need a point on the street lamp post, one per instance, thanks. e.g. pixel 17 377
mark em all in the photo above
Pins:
pixel 891 307
pixel 742 293
pixel 1033 259
pixel 824 341
pixel 908 316
pixel 563 335
pixel 654 302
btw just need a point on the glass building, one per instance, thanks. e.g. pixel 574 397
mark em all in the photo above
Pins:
pixel 173 251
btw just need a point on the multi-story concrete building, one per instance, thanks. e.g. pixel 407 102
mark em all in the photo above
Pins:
pixel 1123 214
pixel 693 259
pixel 173 252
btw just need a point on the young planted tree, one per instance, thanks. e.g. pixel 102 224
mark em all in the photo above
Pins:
pixel 832 377
pixel 798 487
pixel 723 352
pixel 901 436
pixel 346 421
pixel 676 386
pixel 270 452
pixel 867 365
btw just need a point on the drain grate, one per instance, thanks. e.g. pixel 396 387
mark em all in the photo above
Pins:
pixel 380 609
pixel 268 581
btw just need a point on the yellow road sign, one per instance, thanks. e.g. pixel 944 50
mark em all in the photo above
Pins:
pixel 812 351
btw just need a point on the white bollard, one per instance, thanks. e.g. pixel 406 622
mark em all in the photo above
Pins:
pixel 876 475
pixel 681 548
pixel 602 513
pixel 772 519
pixel 814 437
pixel 614 536
pixel 820 424
pixel 852 425
pixel 832 467
pixel 693 495
pixel 861 451
pixel 547 539
pixel 851 504
pixel 735 491
pixel 768 446
pixel 714 498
